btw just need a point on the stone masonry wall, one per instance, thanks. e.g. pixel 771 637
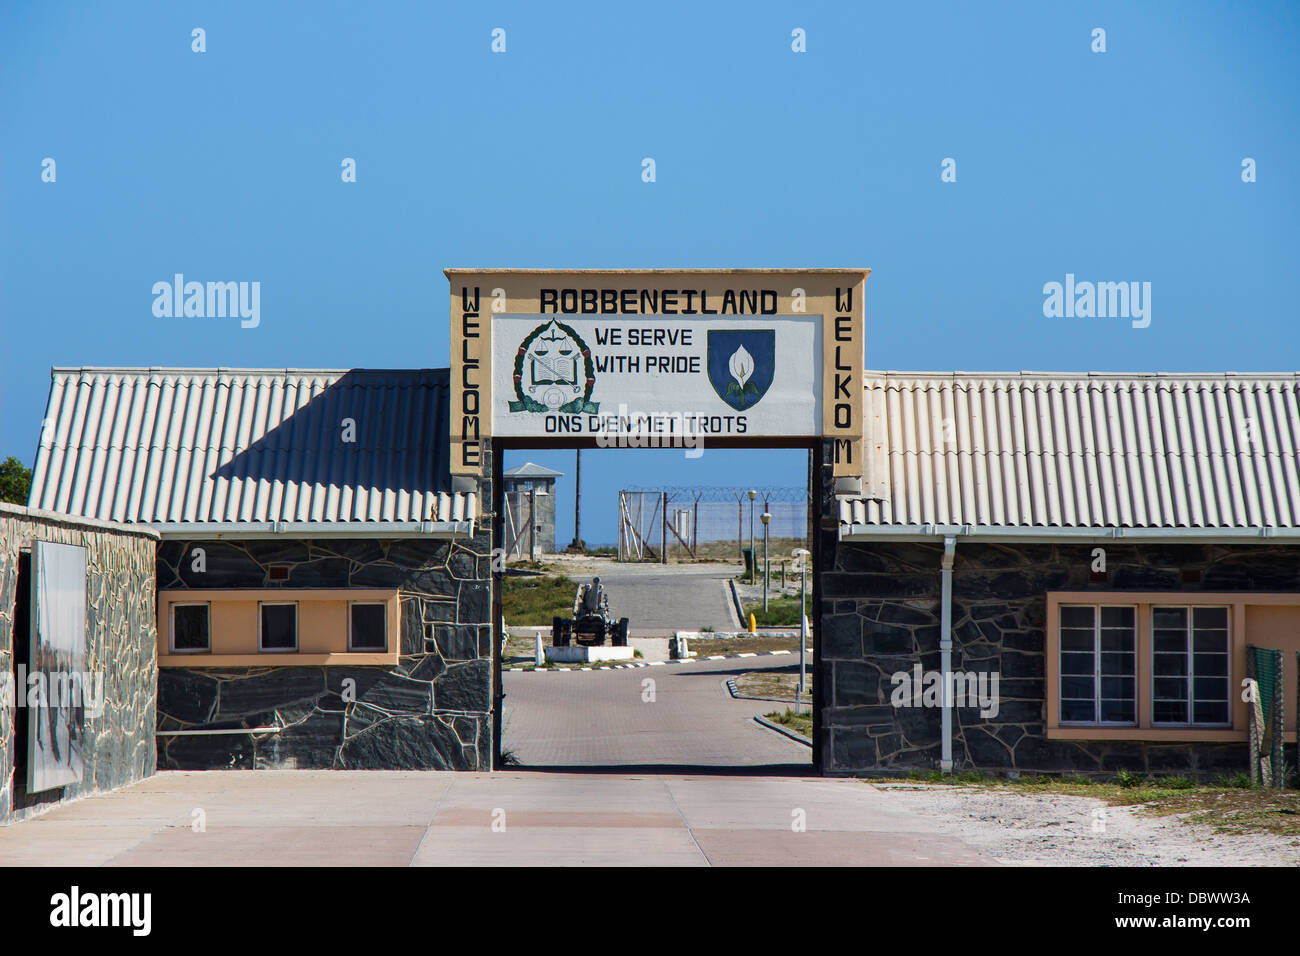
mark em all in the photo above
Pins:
pixel 121 644
pixel 432 711
pixel 880 613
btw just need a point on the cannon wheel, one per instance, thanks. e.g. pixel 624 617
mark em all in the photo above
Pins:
pixel 559 632
pixel 618 636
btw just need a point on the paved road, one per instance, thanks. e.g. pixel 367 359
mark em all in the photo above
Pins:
pixel 385 818
pixel 657 599
pixel 603 719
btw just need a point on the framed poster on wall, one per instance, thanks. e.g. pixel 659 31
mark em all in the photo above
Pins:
pixel 58 666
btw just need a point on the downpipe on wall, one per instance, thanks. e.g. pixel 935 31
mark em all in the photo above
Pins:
pixel 945 651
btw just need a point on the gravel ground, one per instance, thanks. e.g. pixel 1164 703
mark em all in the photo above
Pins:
pixel 1043 829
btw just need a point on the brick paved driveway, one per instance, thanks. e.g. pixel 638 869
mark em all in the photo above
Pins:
pixel 603 719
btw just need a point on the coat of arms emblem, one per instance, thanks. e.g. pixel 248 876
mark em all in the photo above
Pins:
pixel 554 372
pixel 741 364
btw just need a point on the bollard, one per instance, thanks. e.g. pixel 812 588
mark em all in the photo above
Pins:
pixel 540 655
pixel 753 624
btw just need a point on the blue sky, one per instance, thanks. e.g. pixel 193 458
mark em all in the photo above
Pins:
pixel 1123 165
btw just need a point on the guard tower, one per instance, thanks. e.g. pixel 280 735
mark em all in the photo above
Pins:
pixel 528 492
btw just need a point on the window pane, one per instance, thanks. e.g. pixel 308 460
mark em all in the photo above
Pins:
pixel 1169 712
pixel 1117 688
pixel 1112 640
pixel 1212 665
pixel 1169 665
pixel 1077 617
pixel 1170 642
pixel 1080 688
pixel 1117 711
pixel 190 627
pixel 1206 712
pixel 1076 664
pixel 1077 641
pixel 1216 617
pixel 1174 617
pixel 1211 688
pixel 1117 664
pixel 368 627
pixel 1117 617
pixel 1170 688
pixel 1077 710
pixel 279 626
pixel 1214 641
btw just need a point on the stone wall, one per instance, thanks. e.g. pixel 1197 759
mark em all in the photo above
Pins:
pixel 432 711
pixel 880 613
pixel 121 644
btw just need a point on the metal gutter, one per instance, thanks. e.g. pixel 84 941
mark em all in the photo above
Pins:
pixel 945 652
pixel 1004 533
pixel 246 530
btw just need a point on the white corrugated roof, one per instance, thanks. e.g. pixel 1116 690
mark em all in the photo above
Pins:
pixel 193 446
pixel 1090 450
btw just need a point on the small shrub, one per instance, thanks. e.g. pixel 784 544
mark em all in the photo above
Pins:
pixel 1128 780
pixel 1234 781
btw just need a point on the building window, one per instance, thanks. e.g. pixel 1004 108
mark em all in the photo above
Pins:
pixel 368 627
pixel 277 627
pixel 1098 664
pixel 1189 666
pixel 190 629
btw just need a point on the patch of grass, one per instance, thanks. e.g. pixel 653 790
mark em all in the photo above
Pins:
pixel 782 611
pixel 532 600
pixel 780 683
pixel 708 646
pixel 801 723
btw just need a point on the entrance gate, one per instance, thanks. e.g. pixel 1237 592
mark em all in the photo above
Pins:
pixel 660 359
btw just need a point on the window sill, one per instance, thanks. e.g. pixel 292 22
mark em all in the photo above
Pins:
pixel 337 659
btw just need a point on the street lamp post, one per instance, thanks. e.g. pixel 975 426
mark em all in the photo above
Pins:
pixel 765 518
pixel 752 495
pixel 802 555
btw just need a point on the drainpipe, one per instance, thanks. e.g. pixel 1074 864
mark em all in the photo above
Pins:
pixel 945 652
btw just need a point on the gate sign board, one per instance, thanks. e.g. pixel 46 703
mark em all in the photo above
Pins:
pixel 720 354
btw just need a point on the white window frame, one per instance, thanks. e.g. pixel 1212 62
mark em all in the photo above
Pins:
pixel 1096 672
pixel 277 650
pixel 1190 677
pixel 352 648
pixel 171 635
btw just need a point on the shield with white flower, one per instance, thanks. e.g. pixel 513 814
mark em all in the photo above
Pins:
pixel 741 364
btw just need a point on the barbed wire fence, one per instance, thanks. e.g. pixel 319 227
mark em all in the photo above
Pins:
pixel 700 523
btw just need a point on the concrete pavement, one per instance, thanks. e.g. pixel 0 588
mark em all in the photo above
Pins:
pixel 676 715
pixel 658 599
pixel 391 818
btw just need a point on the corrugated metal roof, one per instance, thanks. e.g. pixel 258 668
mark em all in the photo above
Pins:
pixel 1049 450
pixel 164 446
